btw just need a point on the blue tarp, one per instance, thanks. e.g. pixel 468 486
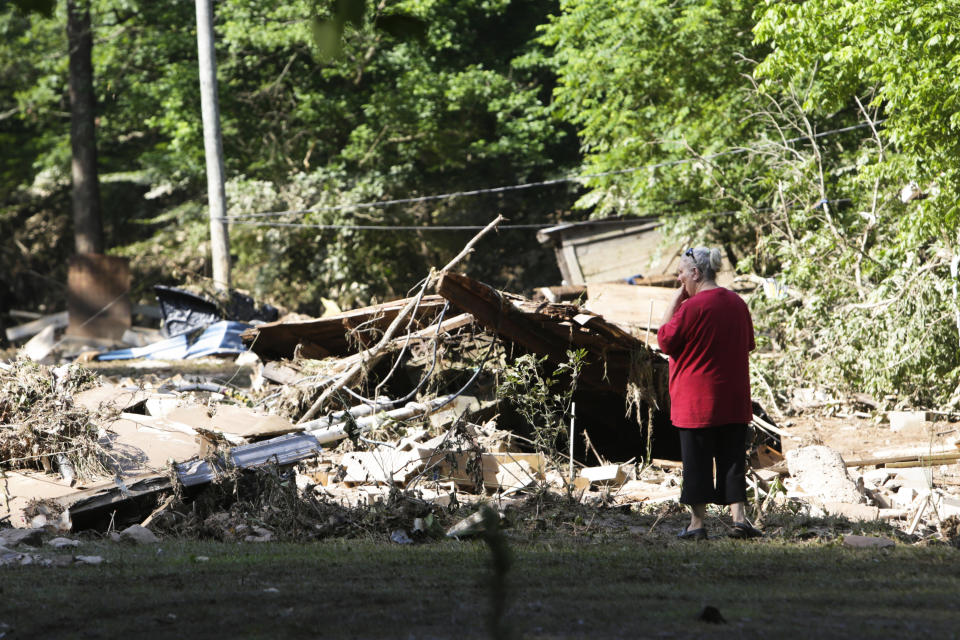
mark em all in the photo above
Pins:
pixel 219 338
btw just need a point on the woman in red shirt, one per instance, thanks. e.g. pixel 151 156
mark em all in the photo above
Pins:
pixel 708 334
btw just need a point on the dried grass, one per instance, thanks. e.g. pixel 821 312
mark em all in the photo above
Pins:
pixel 267 499
pixel 39 424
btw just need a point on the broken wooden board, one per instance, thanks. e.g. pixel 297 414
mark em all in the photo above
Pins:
pixel 551 330
pixel 88 508
pixel 40 346
pixel 604 250
pixel 460 466
pixel 629 306
pixel 327 336
pixel 281 372
pixel 920 459
pixel 231 419
pixel 19 332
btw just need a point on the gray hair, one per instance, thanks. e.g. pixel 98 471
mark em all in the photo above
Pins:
pixel 705 259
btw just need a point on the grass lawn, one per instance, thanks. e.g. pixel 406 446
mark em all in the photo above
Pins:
pixel 629 588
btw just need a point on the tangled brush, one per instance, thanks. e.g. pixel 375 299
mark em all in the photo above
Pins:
pixel 41 427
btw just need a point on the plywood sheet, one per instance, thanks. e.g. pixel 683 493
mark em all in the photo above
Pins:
pixel 629 305
pixel 138 446
pixel 231 419
pixel 97 301
pixel 112 397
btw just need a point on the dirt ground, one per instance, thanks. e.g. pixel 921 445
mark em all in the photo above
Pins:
pixel 858 438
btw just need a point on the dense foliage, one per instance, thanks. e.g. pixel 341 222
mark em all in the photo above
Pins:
pixel 817 142
pixel 424 97
pixel 786 131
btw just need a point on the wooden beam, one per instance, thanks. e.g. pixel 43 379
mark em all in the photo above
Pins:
pixel 19 332
pixel 608 346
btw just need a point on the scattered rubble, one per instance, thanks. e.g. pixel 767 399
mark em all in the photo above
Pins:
pixel 822 474
pixel 139 535
pixel 387 420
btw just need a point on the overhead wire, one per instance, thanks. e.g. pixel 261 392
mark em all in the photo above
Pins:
pixel 245 218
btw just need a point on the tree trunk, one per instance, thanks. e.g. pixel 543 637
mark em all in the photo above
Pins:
pixel 88 227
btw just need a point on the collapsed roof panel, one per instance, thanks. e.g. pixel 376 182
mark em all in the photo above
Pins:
pixel 328 336
pixel 551 329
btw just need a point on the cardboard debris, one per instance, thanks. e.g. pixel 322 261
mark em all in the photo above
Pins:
pixel 140 447
pixel 464 468
pixel 232 419
pixel 383 465
pixel 110 397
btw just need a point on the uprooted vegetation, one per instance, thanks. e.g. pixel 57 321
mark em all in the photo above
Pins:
pixel 40 428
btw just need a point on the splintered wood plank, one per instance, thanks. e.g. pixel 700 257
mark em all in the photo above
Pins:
pixel 326 337
pixel 549 330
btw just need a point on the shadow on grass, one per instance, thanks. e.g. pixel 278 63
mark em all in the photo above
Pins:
pixel 370 589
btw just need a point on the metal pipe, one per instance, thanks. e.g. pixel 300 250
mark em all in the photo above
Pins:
pixel 338 431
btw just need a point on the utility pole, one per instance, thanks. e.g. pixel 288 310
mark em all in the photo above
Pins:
pixel 213 147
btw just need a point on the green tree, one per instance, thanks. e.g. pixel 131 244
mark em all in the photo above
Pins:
pixel 398 114
pixel 651 82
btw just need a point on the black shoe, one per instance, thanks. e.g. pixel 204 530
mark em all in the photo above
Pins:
pixel 692 534
pixel 745 530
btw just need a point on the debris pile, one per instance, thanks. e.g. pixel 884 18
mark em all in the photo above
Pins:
pixel 41 427
pixel 401 419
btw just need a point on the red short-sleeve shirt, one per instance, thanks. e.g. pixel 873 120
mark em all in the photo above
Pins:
pixel 709 339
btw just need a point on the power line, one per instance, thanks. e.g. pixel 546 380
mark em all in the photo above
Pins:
pixel 517 187
pixel 374 227
pixel 620 221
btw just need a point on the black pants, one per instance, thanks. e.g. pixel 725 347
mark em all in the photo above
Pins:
pixel 700 448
